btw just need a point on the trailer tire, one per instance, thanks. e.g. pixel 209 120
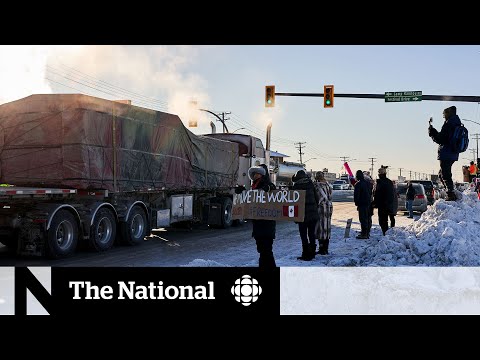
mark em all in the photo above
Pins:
pixel 134 229
pixel 62 237
pixel 103 230
pixel 227 206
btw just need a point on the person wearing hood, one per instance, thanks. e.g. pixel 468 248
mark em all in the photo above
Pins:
pixel 383 198
pixel 263 231
pixel 371 185
pixel 446 155
pixel 362 196
pixel 308 226
pixel 325 211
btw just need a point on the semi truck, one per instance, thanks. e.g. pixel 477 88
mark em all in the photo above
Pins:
pixel 77 170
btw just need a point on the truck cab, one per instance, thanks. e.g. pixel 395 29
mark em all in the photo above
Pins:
pixel 251 151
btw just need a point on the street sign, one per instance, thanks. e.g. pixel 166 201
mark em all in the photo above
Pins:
pixel 401 96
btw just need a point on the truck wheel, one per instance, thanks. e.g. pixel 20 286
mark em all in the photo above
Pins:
pixel 62 237
pixel 103 230
pixel 135 229
pixel 227 206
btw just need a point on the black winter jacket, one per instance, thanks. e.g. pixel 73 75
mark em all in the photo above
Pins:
pixel 362 193
pixel 383 196
pixel 311 198
pixel 264 228
pixel 443 138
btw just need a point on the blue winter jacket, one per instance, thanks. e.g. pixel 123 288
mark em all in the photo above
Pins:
pixel 443 137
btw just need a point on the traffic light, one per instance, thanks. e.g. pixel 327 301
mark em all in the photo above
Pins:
pixel 328 96
pixel 270 96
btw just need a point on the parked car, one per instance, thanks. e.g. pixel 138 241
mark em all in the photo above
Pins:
pixel 440 192
pixel 429 189
pixel 341 185
pixel 419 203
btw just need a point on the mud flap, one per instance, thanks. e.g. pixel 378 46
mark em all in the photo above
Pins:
pixel 31 239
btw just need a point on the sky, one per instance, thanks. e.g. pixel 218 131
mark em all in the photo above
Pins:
pixel 232 79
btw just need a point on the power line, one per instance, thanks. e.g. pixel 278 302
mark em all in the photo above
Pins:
pixel 91 87
pixel 84 75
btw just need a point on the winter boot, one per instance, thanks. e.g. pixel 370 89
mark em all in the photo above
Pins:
pixel 321 248
pixel 312 250
pixel 451 196
pixel 361 236
pixel 306 256
pixel 325 246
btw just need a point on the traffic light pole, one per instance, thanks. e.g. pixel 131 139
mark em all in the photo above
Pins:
pixel 382 96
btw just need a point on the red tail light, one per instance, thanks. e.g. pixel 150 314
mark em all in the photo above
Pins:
pixel 420 196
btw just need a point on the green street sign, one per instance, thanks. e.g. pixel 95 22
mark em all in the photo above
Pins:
pixel 401 96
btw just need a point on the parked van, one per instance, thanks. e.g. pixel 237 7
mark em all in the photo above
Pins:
pixel 419 203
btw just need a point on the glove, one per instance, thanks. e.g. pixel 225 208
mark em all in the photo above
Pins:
pixel 266 188
pixel 430 130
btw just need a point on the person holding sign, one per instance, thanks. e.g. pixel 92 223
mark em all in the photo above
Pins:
pixel 325 210
pixel 309 224
pixel 263 230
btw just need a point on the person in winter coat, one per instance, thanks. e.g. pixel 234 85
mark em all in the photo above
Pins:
pixel 410 196
pixel 263 231
pixel 371 185
pixel 472 169
pixel 362 196
pixel 309 224
pixel 383 198
pixel 325 211
pixel 446 155
pixel 394 211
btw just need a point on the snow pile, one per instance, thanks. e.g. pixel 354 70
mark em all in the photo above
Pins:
pixel 204 263
pixel 447 234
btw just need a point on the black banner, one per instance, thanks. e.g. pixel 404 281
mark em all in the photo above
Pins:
pixel 150 292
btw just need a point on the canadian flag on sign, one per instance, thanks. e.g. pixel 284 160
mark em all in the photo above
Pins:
pixel 290 211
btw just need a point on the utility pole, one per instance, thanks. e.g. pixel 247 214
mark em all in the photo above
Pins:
pixel 372 159
pixel 473 154
pixel 476 138
pixel 344 158
pixel 223 120
pixel 299 147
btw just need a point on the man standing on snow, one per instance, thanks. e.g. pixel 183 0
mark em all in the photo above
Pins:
pixel 446 155
pixel 263 231
pixel 383 198
pixel 362 196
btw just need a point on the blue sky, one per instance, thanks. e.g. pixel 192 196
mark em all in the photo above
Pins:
pixel 233 79
pixel 394 133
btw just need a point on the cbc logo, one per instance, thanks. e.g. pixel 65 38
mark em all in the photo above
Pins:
pixel 246 290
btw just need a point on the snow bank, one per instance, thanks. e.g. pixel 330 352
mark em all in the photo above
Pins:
pixel 204 263
pixel 447 234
